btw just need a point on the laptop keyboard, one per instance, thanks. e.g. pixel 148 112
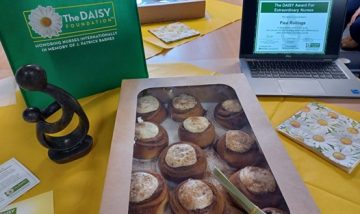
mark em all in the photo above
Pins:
pixel 295 69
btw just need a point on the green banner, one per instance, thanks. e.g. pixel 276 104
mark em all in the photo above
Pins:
pixel 294 7
pixel 20 185
pixel 85 46
pixel 11 211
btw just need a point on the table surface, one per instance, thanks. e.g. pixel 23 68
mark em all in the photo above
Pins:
pixel 216 51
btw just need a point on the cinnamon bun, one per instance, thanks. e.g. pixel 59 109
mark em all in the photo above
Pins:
pixel 184 106
pixel 150 140
pixel 258 184
pixel 230 114
pixel 238 149
pixel 149 108
pixel 181 161
pixel 148 193
pixel 197 196
pixel 198 130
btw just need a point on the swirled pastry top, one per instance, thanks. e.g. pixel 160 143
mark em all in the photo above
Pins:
pixel 196 124
pixel 180 155
pixel 146 130
pixel 143 185
pixel 147 104
pixel 257 180
pixel 238 141
pixel 184 102
pixel 195 194
pixel 231 105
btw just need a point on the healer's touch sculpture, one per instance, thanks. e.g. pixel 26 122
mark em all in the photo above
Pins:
pixel 64 148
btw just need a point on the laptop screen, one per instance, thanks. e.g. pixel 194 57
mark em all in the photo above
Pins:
pixel 292 26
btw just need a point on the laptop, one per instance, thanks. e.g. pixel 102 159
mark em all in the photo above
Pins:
pixel 291 48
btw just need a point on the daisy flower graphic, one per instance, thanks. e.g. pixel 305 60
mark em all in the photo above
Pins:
pixel 322 122
pixel 350 127
pixel 333 115
pixel 295 122
pixel 347 139
pixel 317 108
pixel 45 21
pixel 318 139
pixel 301 135
pixel 304 111
pixel 344 156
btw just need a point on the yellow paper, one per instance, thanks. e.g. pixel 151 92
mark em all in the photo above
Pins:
pixel 151 50
pixel 177 70
pixel 41 204
pixel 218 14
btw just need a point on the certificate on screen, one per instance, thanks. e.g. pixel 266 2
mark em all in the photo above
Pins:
pixel 292 26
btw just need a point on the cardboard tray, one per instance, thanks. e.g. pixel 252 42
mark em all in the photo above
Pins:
pixel 117 183
pixel 156 11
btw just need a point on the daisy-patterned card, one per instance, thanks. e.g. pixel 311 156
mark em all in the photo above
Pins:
pixel 333 136
pixel 174 32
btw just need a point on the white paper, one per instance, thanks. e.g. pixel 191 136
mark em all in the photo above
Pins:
pixel 40 204
pixel 15 180
pixel 7 91
pixel 289 27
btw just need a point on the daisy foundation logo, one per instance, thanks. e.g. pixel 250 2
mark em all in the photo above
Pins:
pixel 45 21
pixel 55 28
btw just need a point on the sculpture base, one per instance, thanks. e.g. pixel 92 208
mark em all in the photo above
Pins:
pixel 73 154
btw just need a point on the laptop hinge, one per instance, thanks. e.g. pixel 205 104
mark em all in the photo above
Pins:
pixel 328 60
pixel 277 59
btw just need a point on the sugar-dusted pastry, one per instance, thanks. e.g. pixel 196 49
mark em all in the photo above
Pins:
pixel 150 140
pixel 196 196
pixel 198 130
pixel 258 184
pixel 149 108
pixel 230 114
pixel 181 161
pixel 272 210
pixel 148 193
pixel 238 149
pixel 184 106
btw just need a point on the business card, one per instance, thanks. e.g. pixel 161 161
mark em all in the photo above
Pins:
pixel 15 180
pixel 40 204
